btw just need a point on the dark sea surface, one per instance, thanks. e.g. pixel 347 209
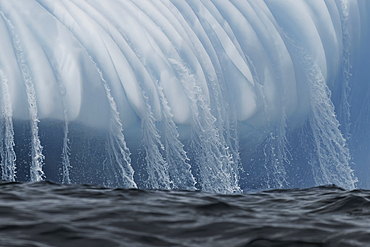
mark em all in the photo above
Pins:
pixel 47 214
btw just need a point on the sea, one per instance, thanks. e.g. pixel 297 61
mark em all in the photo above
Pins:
pixel 49 214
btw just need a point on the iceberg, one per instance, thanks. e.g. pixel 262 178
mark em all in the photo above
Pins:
pixel 212 95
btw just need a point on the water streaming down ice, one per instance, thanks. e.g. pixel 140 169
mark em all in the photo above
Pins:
pixel 8 156
pixel 195 94
pixel 119 161
pixel 36 171
pixel 212 160
pixel 66 165
pixel 331 159
pixel 65 153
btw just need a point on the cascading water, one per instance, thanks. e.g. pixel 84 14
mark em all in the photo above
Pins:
pixel 118 154
pixel 36 171
pixel 66 165
pixel 221 96
pixel 212 159
pixel 331 161
pixel 65 151
pixel 8 156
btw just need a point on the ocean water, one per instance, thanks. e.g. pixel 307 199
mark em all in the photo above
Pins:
pixel 49 214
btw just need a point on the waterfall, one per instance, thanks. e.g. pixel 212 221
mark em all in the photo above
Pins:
pixel 36 171
pixel 178 166
pixel 66 164
pixel 331 164
pixel 65 152
pixel 333 156
pixel 178 162
pixel 119 154
pixel 275 152
pixel 166 164
pixel 157 167
pixel 330 160
pixel 211 154
pixel 8 155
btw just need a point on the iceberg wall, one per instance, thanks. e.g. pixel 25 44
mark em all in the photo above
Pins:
pixel 221 96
